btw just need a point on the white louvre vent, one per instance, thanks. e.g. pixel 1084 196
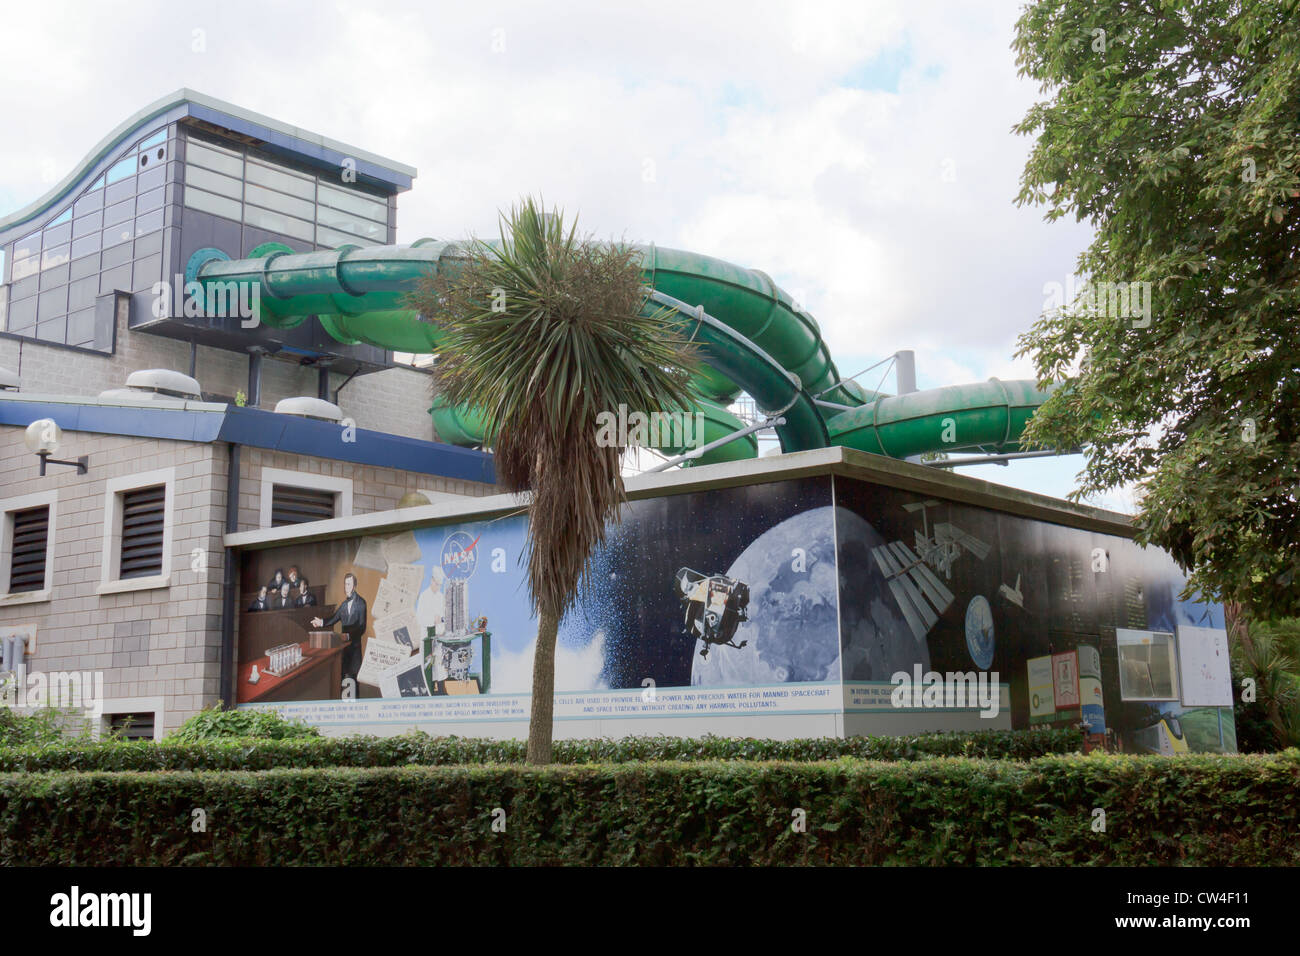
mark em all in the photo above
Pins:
pixel 156 385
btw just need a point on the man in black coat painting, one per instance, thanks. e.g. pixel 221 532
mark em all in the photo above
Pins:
pixel 351 615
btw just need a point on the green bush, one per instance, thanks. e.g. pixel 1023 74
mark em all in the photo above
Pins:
pixel 218 724
pixel 1193 810
pixel 42 727
pixel 419 748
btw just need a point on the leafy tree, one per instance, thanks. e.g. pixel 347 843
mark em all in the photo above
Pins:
pixel 542 331
pixel 1173 128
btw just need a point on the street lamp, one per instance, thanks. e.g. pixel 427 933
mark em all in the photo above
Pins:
pixel 42 439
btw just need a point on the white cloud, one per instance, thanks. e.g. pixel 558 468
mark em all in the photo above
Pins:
pixel 576 668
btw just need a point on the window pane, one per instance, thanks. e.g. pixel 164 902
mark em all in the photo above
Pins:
pixel 155 139
pixel 116 255
pixel 97 184
pixel 150 180
pixel 150 200
pixel 53 303
pixel 221 161
pixel 63 217
pixel 27 246
pixel 117 235
pixel 58 235
pixel 277 222
pixel 22 314
pixel 114 279
pixel 206 202
pixel 89 203
pixel 149 222
pixel 89 266
pixel 149 245
pixel 354 225
pixel 268 199
pixel 26 267
pixel 213 182
pixel 147 272
pixel 120 170
pixel 54 257
pixel 85 225
pixel 283 180
pixel 119 213
pixel 81 294
pixel 58 275
pixel 81 327
pixel 85 245
pixel 354 203
pixel 119 192
pixel 25 288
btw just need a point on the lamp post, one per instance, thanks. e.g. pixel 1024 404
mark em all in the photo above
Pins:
pixel 42 439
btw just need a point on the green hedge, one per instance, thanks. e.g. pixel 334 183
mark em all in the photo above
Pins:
pixel 1203 810
pixel 421 748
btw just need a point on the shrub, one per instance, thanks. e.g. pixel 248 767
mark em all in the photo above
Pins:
pixel 218 724
pixel 182 753
pixel 1191 810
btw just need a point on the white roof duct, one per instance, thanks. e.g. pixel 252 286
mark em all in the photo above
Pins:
pixel 306 407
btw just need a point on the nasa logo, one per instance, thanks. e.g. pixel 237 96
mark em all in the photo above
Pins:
pixel 459 556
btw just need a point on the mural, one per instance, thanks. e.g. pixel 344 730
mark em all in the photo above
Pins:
pixel 1081 626
pixel 730 588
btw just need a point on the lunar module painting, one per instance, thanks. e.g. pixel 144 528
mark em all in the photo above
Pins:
pixel 715 606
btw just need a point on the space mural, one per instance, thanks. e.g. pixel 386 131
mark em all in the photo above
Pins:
pixel 723 589
pixel 1083 627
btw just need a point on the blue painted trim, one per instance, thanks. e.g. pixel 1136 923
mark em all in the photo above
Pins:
pixel 260 429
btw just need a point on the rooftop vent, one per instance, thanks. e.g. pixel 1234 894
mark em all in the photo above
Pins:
pixel 307 407
pixel 8 379
pixel 156 385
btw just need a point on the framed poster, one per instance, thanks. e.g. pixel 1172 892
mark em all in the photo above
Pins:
pixel 1041 699
pixel 1065 680
pixel 1147 664
pixel 1203 666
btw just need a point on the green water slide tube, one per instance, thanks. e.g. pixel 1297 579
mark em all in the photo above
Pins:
pixel 752 337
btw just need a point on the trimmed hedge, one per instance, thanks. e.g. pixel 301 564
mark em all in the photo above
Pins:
pixel 1202 810
pixel 419 748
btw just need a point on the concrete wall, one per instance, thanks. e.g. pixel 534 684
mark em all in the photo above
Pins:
pixel 395 400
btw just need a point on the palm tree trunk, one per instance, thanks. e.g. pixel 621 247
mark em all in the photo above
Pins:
pixel 541 724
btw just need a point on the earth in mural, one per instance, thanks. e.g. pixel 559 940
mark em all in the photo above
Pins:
pixel 979 632
pixel 792 633
pixel 877 641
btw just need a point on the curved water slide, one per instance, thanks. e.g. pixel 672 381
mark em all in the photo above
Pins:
pixel 751 337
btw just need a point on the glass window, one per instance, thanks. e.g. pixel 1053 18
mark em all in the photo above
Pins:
pixel 277 222
pixel 218 205
pixel 25 287
pixel 150 200
pixel 119 191
pixel 113 279
pixel 81 294
pixel 85 225
pixel 58 275
pixel 149 222
pixel 332 240
pixel 1148 667
pixel 120 170
pixel 150 180
pixel 22 314
pixel 58 235
pixel 213 182
pixel 81 328
pixel 27 246
pixel 155 139
pixel 97 184
pixel 122 211
pixel 2 265
pixel 116 235
pixel 354 225
pixel 26 267
pixel 268 199
pixel 149 245
pixel 4 302
pixel 281 179
pixel 62 217
pixel 87 266
pixel 354 202
pixel 53 303
pixel 53 331
pixel 89 203
pixel 85 245
pixel 116 255
pixel 54 257
pixel 221 160
pixel 147 272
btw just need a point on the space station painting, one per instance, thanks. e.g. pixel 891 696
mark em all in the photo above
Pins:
pixel 720 602
pixel 1083 627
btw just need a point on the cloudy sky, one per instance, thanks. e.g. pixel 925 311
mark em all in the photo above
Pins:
pixel 859 152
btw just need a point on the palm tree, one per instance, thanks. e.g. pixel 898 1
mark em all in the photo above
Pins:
pixel 542 331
